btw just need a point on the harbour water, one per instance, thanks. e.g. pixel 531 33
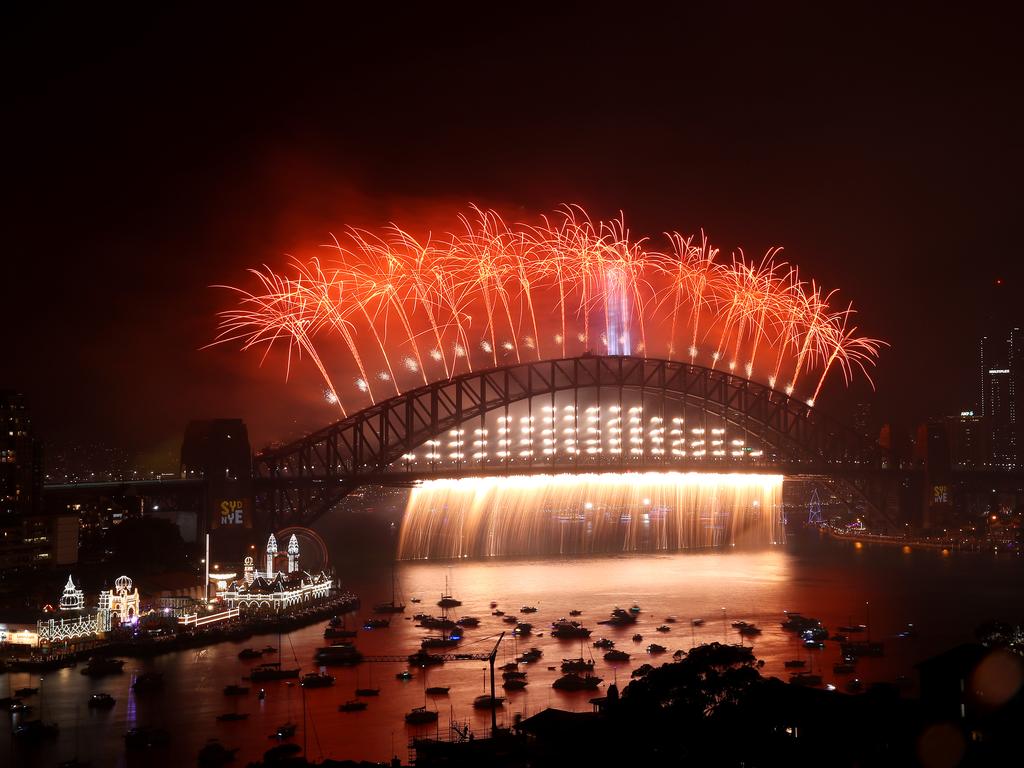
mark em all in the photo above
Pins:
pixel 881 586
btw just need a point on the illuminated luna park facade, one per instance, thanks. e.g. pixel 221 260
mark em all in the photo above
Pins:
pixel 74 623
pixel 274 591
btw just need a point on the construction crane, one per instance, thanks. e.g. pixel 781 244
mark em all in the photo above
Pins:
pixel 488 657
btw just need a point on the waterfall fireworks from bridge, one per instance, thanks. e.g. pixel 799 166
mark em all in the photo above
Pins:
pixel 389 312
pixel 588 514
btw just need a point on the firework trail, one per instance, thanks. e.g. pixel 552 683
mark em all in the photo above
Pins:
pixel 490 293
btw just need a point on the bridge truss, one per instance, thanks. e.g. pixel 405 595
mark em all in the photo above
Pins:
pixel 300 481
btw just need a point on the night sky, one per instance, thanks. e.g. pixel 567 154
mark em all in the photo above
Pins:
pixel 151 155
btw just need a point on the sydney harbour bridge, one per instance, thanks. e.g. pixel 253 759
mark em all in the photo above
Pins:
pixel 585 415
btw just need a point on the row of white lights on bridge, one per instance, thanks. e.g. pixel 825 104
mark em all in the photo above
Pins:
pixel 720 446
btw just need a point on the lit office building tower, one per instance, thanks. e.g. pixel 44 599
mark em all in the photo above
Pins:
pixel 1002 361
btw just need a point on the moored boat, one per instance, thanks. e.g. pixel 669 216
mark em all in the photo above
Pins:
pixel 317 680
pixel 488 702
pixel 272 671
pixel 101 665
pixel 101 701
pixel 577 665
pixel 565 629
pixel 573 682
pixel 420 716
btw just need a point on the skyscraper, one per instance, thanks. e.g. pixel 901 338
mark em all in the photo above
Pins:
pixel 28 537
pixel 1002 362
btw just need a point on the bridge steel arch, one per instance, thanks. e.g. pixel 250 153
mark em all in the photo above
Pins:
pixel 303 479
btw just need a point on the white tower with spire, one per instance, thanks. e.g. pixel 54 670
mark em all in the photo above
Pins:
pixel 271 551
pixel 293 554
pixel 73 598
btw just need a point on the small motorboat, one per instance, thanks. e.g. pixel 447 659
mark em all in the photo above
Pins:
pixel 414 599
pixel 101 701
pixel 523 628
pixel 494 604
pixel 352 705
pixel 404 675
pixel 577 665
pixel 273 671
pixel 514 684
pixel 497 613
pixel 231 717
pixel 423 659
pixel 635 609
pixel 250 653
pixel 468 621
pixel 528 609
pixel 795 664
pixel 375 623
pixel 438 690
pixel 575 612
pixel 619 618
pixel 749 630
pixel 235 690
pixel 488 702
pixel 655 648
pixel 573 682
pixel 638 638
pixel 852 628
pixel 367 691
pixel 530 656
pixel 331 633
pixel 511 619
pixel 284 731
pixel 440 642
pixel 614 655
pixel 697 622
pixel 815 645
pixel 510 667
pixel 565 629
pixel 664 628
pixel 605 643
pixel 670 619
pixel 317 680
pixel 420 716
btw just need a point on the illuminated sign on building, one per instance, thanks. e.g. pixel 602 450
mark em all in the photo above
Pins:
pixel 232 512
